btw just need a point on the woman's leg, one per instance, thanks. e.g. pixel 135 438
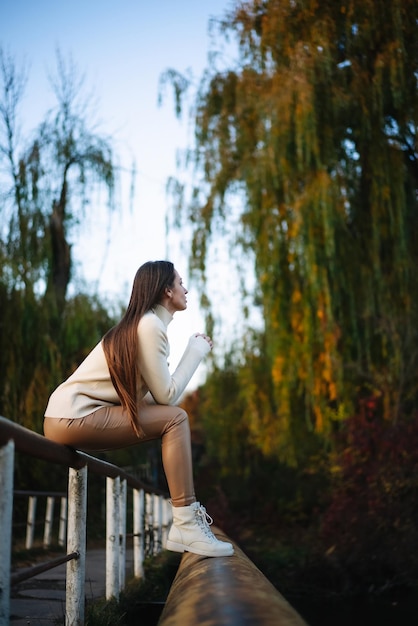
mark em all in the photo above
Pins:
pixel 109 428
pixel 171 424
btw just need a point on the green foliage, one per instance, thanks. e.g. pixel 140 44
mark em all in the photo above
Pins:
pixel 46 182
pixel 237 474
pixel 220 412
pixel 341 521
pixel 44 190
pixel 35 358
pixel 314 130
pixel 132 604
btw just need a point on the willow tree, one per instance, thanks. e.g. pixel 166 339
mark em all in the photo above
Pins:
pixel 315 127
pixel 46 183
pixel 51 179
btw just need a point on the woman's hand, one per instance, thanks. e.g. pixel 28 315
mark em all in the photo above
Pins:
pixel 206 338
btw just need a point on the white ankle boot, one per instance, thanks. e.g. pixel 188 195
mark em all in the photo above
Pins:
pixel 190 532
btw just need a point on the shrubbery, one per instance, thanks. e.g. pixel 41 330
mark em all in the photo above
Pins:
pixel 370 523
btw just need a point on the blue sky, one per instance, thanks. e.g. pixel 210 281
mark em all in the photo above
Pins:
pixel 122 47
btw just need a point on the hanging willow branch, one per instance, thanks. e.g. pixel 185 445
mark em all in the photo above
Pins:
pixel 318 125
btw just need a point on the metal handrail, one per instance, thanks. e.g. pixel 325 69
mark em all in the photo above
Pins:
pixel 38 446
pixel 46 494
pixel 228 591
pixel 239 593
pixel 150 506
pixel 30 572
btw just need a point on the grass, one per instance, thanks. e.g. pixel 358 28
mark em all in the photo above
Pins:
pixel 142 600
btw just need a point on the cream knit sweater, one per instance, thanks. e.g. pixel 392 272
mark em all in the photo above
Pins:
pixel 90 387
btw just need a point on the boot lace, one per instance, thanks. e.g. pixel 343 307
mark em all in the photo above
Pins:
pixel 204 520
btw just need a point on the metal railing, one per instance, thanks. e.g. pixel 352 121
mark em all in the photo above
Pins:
pixel 51 497
pixel 151 518
pixel 226 591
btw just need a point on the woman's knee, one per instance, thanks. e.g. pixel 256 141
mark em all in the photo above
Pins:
pixel 181 416
pixel 179 420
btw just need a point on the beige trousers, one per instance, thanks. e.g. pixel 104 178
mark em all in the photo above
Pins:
pixel 109 428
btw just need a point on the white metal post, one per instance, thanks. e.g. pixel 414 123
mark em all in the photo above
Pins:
pixel 6 514
pixel 112 537
pixel 76 542
pixel 167 518
pixel 49 518
pixel 158 523
pixel 149 524
pixel 63 522
pixel 139 537
pixel 122 534
pixel 30 524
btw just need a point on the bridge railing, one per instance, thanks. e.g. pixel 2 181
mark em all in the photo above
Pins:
pixel 31 521
pixel 151 518
pixel 226 591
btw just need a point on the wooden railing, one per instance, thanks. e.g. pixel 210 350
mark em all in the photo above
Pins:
pixel 151 518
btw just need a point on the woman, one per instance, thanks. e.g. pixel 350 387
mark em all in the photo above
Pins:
pixel 123 393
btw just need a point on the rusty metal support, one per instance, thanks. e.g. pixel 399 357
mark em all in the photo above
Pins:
pixel 225 591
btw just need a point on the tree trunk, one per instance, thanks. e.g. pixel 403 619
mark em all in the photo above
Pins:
pixel 60 268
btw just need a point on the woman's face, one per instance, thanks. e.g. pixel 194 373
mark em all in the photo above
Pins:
pixel 176 295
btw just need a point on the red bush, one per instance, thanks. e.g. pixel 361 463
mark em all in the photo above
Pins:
pixel 370 524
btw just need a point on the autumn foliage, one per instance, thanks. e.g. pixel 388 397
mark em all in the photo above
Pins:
pixel 305 164
pixel 305 152
pixel 369 524
pixel 305 168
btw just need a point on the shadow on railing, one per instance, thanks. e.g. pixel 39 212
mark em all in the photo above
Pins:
pixel 151 518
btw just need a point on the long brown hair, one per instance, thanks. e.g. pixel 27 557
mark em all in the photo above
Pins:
pixel 120 343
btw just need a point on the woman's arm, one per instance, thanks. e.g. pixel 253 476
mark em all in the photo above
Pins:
pixel 152 356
